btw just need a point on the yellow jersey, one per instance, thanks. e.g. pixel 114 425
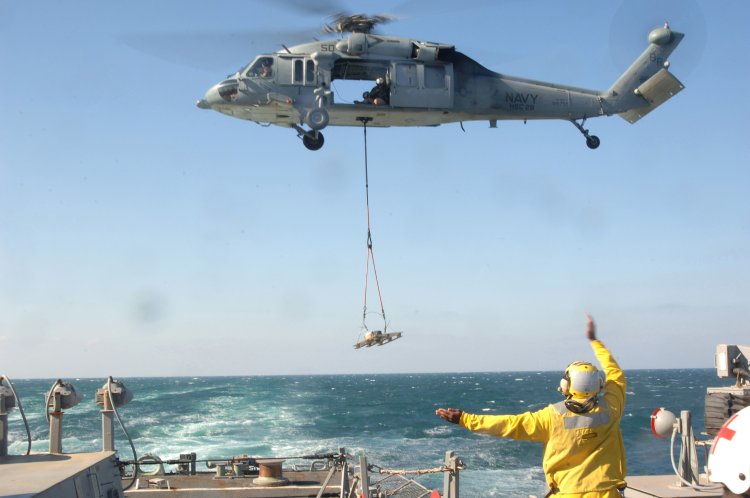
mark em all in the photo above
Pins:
pixel 584 455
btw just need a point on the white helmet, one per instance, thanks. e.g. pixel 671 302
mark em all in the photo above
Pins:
pixel 581 380
pixel 380 81
pixel 729 460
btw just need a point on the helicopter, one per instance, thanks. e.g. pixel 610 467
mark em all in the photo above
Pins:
pixel 424 84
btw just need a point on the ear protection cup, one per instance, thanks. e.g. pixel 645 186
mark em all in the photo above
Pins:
pixel 565 382
pixel 564 385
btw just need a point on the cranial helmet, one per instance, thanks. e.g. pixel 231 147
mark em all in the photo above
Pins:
pixel 581 380
pixel 380 81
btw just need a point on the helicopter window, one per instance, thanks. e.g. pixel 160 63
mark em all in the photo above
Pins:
pixel 406 75
pixel 262 67
pixel 434 76
pixel 310 73
pixel 298 70
pixel 228 90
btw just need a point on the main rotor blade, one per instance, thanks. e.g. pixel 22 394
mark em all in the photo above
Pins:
pixel 213 50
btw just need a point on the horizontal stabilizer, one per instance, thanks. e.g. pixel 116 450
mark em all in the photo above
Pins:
pixel 655 91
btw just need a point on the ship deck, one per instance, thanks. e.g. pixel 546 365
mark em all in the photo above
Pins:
pixel 299 484
pixel 664 486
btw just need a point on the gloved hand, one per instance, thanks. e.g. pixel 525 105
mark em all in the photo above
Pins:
pixel 590 327
pixel 452 415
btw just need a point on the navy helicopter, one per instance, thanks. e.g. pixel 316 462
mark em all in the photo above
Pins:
pixel 424 84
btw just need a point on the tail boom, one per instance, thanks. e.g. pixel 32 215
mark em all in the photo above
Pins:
pixel 647 83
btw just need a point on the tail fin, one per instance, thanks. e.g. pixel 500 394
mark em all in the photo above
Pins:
pixel 647 84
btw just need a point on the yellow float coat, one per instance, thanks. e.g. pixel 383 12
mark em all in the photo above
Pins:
pixel 584 456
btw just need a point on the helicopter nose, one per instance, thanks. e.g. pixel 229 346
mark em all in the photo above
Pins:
pixel 211 98
pixel 220 94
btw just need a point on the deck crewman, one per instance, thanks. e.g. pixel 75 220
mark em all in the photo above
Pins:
pixel 584 456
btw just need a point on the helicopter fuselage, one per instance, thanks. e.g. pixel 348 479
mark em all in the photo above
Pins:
pixel 428 84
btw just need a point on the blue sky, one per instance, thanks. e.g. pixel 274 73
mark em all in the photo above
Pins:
pixel 142 236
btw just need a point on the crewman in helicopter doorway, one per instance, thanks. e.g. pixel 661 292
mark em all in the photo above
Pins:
pixel 584 456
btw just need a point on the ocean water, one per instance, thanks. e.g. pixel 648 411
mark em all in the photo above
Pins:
pixel 388 417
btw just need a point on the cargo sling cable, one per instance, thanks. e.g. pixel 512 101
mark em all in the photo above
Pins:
pixel 372 337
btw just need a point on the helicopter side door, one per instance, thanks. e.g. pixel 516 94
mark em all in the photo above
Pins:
pixel 419 84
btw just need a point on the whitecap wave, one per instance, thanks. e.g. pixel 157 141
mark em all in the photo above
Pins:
pixel 440 430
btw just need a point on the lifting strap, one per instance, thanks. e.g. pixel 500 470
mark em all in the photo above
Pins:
pixel 370 254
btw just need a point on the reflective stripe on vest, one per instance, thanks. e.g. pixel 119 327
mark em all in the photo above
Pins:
pixel 580 421
pixel 560 407
pixel 586 420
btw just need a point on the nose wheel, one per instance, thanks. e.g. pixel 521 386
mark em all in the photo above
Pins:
pixel 312 139
pixel 592 141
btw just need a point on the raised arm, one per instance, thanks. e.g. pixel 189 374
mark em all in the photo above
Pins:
pixel 614 389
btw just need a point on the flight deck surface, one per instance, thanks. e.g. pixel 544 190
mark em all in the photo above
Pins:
pixel 663 486
pixel 33 475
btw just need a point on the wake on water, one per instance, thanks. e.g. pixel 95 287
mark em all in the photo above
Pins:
pixel 390 418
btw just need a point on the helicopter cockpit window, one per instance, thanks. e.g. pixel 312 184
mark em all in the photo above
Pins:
pixel 228 90
pixel 262 67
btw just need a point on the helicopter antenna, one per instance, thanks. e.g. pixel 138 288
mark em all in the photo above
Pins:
pixel 370 254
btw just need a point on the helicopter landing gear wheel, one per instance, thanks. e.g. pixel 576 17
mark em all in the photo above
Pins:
pixel 592 141
pixel 313 140
pixel 317 119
